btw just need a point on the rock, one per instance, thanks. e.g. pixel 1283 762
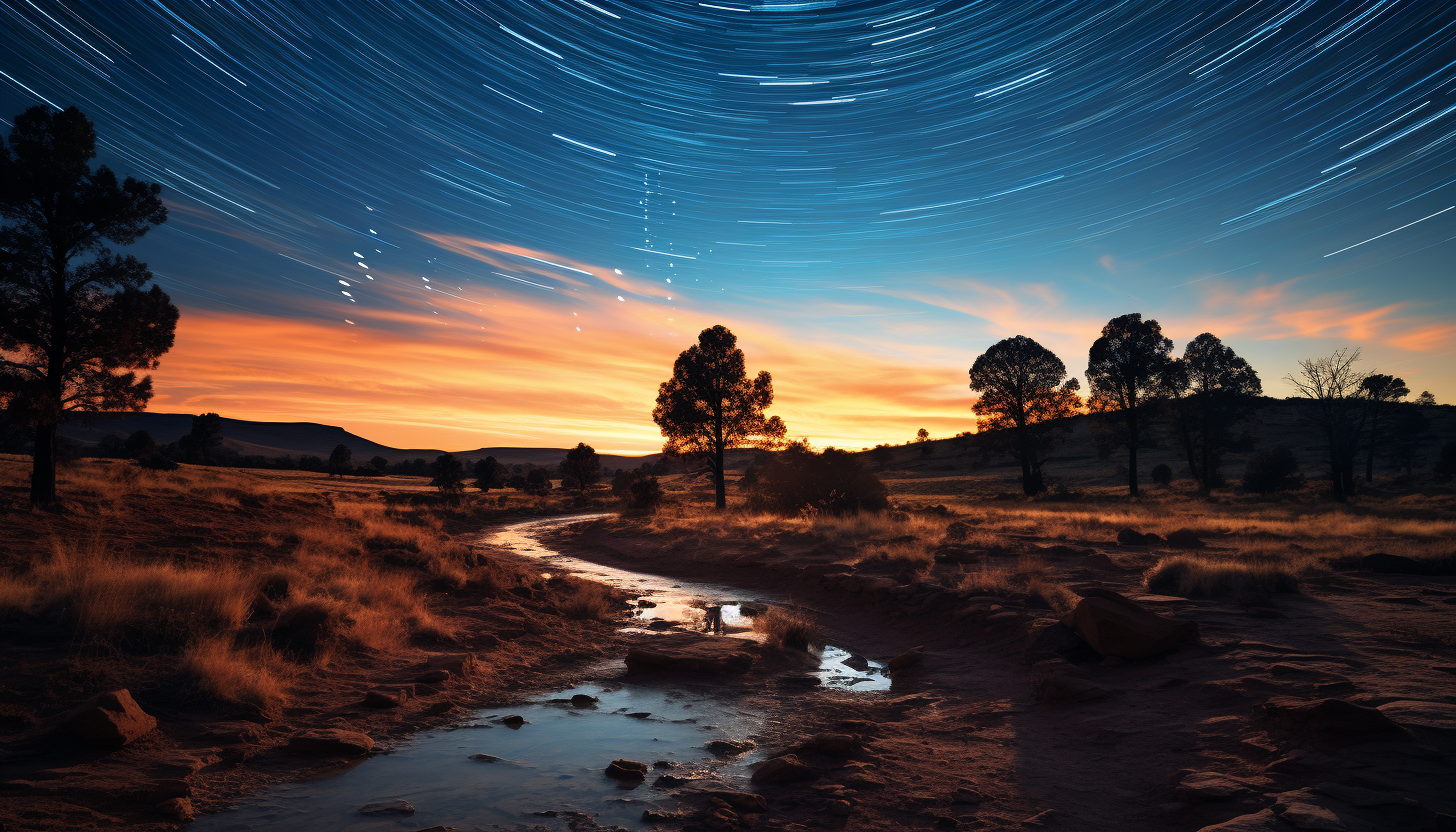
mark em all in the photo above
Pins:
pixel 967 797
pixel 728 748
pixel 1048 638
pixel 460 665
pixel 485 758
pixel 1357 796
pixel 381 699
pixel 800 680
pixel 1333 717
pixel 581 700
pixel 742 801
pixel 1264 821
pixel 1309 816
pixel 907 660
pixel 442 707
pixel 109 720
pixel 830 745
pixel 627 770
pixel 654 816
pixel 513 721
pixel 670 781
pixel 856 662
pixel 232 733
pixel 957 531
pixel 333 742
pixel 838 808
pixel 385 808
pixel 437 676
pixel 1212 787
pixel 783 770
pixel 1114 625
pixel 664 764
pixel 1131 537
pixel 1439 716
pixel 691 653
pixel 1185 539
pixel 177 808
pixel 1057 681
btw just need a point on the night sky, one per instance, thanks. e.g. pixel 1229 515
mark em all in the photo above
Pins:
pixel 471 223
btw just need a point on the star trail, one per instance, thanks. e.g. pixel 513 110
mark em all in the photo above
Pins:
pixel 552 197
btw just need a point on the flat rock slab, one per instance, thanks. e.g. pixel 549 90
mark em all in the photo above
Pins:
pixel 1440 716
pixel 330 742
pixel 691 653
pixel 1117 626
pixel 1265 821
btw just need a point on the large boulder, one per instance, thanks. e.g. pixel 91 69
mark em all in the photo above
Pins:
pixel 109 720
pixel 330 742
pixel 782 770
pixel 691 653
pixel 1116 626
pixel 626 770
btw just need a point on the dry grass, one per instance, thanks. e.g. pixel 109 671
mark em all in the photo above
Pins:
pixel 254 675
pixel 1027 580
pixel 588 600
pixel 1190 576
pixel 793 629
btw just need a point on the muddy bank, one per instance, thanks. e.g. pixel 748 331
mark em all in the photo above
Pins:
pixel 1330 708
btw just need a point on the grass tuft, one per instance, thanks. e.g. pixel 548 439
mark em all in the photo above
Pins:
pixel 792 629
pixel 1195 577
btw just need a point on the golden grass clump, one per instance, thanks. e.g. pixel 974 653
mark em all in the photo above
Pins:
pixel 1026 580
pixel 588 600
pixel 254 675
pixel 1195 577
pixel 789 628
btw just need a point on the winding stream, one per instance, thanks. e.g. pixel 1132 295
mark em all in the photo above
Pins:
pixel 553 763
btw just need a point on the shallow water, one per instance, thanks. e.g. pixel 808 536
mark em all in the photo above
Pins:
pixel 554 762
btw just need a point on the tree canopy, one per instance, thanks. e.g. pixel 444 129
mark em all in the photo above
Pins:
pixel 710 405
pixel 75 322
pixel 1125 370
pixel 1213 389
pixel 1381 392
pixel 1023 387
pixel 582 467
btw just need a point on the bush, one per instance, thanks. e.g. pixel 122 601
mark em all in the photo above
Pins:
pixel 1194 577
pixel 645 494
pixel 1445 467
pixel 1271 471
pixel 1162 475
pixel 834 482
pixel 157 462
pixel 787 628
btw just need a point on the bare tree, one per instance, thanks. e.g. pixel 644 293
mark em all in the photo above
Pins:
pixel 1332 384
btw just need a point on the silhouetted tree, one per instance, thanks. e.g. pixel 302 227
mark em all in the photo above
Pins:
pixel 709 405
pixel 73 315
pixel 882 455
pixel 309 462
pixel 139 444
pixel 1381 392
pixel 1024 391
pixel 1273 470
pixel 489 474
pixel 1212 390
pixel 1408 426
pixel 582 466
pixel 537 482
pixel 1426 399
pixel 379 464
pixel 1125 370
pixel 1332 384
pixel 449 475
pixel 1162 475
pixel 833 482
pixel 341 461
pixel 516 481
pixel 203 444
pixel 1445 467
pixel 922 435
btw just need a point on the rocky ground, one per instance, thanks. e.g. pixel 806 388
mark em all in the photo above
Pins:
pixel 1329 709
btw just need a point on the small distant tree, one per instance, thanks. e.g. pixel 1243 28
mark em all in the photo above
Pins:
pixel 449 475
pixel 1024 393
pixel 379 464
pixel 139 444
pixel 1125 369
pixel 645 494
pixel 203 444
pixel 309 462
pixel 75 321
pixel 341 461
pixel 582 466
pixel 709 405
pixel 1273 470
pixel 1426 399
pixel 922 435
pixel 1332 385
pixel 1162 475
pixel 1211 390
pixel 1408 426
pixel 832 482
pixel 1381 393
pixel 882 455
pixel 537 482
pixel 516 481
pixel 489 474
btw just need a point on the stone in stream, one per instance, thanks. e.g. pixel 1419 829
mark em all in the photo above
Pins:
pixel 728 748
pixel 330 742
pixel 856 662
pixel 582 700
pixel 110 720
pixel 907 660
pixel 627 770
pixel 691 653
pixel 513 721
pixel 383 808
pixel 485 758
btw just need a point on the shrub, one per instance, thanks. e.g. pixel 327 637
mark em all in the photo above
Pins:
pixel 157 461
pixel 1271 471
pixel 645 494
pixel 1194 577
pixel 832 482
pixel 588 601
pixel 1162 475
pixel 1445 467
pixel 793 629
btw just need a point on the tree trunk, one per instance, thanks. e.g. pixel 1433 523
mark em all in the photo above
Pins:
pixel 43 471
pixel 1370 458
pixel 719 487
pixel 1132 443
pixel 1027 486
